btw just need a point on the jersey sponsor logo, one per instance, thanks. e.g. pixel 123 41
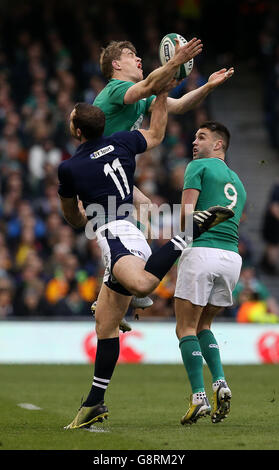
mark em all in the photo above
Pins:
pixel 103 151
pixel 137 123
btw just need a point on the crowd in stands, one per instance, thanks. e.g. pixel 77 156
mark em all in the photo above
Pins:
pixel 268 66
pixel 46 66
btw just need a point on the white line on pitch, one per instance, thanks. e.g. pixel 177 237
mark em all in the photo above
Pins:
pixel 28 406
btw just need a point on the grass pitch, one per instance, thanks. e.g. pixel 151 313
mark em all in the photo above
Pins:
pixel 145 404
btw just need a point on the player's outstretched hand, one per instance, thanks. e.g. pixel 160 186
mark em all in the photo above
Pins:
pixel 184 53
pixel 219 77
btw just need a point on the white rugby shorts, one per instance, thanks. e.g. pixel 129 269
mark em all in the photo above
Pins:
pixel 131 237
pixel 207 275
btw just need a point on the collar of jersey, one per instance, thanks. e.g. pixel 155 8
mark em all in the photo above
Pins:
pixel 89 143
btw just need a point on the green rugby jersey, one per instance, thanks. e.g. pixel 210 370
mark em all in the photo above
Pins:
pixel 218 186
pixel 121 116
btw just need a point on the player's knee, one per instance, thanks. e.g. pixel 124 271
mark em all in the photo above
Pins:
pixel 142 289
pixel 104 328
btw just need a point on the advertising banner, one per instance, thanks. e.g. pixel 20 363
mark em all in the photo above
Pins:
pixel 74 342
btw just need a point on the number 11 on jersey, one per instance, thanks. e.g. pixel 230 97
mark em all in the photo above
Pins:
pixel 111 170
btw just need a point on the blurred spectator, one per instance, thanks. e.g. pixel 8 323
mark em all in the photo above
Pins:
pixel 252 299
pixel 72 303
pixel 32 304
pixel 245 249
pixel 96 84
pixel 65 276
pixel 6 297
pixel 270 233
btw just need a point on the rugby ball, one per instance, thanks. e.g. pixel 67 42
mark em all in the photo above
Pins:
pixel 166 52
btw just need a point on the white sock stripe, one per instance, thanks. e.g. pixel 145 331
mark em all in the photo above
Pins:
pixel 199 217
pixel 101 380
pixel 204 214
pixel 179 239
pixel 180 246
pixel 99 385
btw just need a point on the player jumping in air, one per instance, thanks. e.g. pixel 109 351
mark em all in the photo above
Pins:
pixel 128 97
pixel 131 269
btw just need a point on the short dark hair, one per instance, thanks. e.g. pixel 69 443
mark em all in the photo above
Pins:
pixel 89 119
pixel 113 52
pixel 220 129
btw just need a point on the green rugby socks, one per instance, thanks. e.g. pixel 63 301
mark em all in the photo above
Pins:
pixel 193 361
pixel 210 351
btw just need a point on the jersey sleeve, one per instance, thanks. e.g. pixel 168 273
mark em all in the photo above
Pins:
pixel 132 140
pixel 66 187
pixel 117 92
pixel 193 176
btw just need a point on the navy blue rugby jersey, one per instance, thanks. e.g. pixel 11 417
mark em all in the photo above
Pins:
pixel 103 168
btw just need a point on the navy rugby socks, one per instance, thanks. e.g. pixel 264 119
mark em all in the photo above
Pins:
pixel 105 362
pixel 160 262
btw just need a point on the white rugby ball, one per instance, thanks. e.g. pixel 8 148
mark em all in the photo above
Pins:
pixel 167 50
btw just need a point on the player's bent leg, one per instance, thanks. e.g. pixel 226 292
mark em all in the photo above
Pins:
pixel 140 278
pixel 129 272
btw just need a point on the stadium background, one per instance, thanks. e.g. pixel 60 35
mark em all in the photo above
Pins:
pixel 49 60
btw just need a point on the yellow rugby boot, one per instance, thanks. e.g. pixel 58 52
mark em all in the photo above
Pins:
pixel 198 408
pixel 88 415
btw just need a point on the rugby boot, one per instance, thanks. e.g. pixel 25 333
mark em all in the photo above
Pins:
pixel 88 415
pixel 221 401
pixel 198 408
pixel 143 302
pixel 211 217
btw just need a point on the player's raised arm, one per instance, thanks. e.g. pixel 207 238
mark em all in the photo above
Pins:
pixel 158 122
pixel 160 77
pixel 193 98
